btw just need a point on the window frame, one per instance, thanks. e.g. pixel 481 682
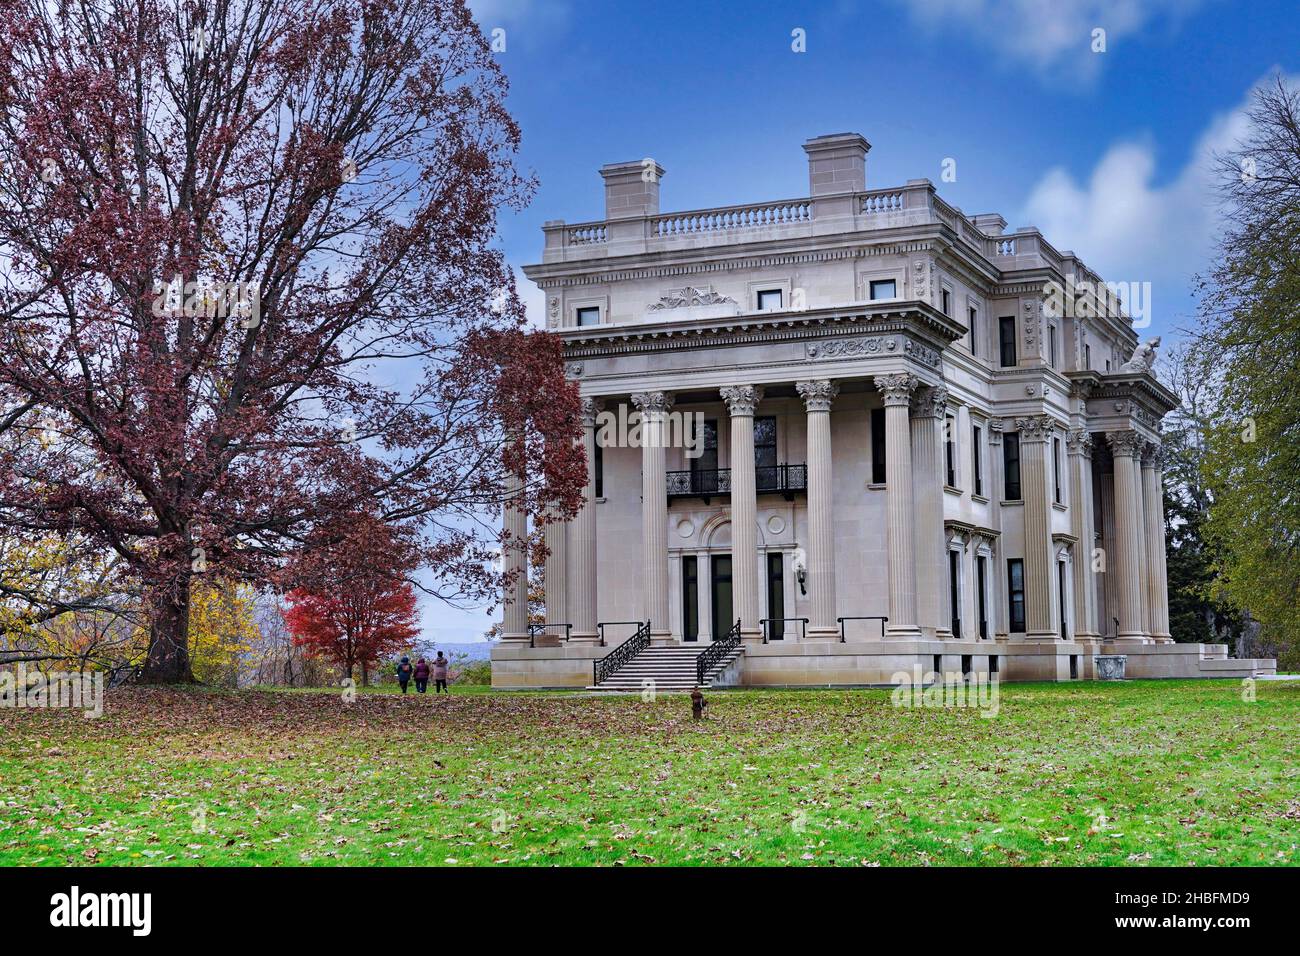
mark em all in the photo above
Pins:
pixel 1010 457
pixel 758 299
pixel 1007 342
pixel 879 471
pixel 578 312
pixel 871 290
pixel 1015 595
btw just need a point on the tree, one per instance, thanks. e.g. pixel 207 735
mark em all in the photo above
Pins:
pixel 222 630
pixel 1249 345
pixel 228 227
pixel 357 606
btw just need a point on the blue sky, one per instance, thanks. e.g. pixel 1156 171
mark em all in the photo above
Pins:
pixel 1104 151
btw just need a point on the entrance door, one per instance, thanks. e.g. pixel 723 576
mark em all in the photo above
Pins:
pixel 690 599
pixel 723 622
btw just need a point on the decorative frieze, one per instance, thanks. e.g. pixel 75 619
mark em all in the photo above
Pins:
pixel 689 297
pixel 851 348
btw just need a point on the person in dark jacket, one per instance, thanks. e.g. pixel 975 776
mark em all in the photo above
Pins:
pixel 421 675
pixel 440 665
pixel 404 672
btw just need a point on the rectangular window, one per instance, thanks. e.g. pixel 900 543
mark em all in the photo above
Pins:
pixel 1056 468
pixel 877 446
pixel 765 470
pixel 1011 465
pixel 954 592
pixel 769 299
pixel 1051 346
pixel 600 470
pixel 1087 356
pixel 981 595
pixel 690 598
pixel 977 460
pixel 589 315
pixel 704 468
pixel 950 450
pixel 945 300
pixel 775 597
pixel 1016 593
pixel 884 289
pixel 1007 340
pixel 972 319
pixel 1060 598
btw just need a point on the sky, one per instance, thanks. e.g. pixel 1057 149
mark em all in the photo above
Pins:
pixel 1101 140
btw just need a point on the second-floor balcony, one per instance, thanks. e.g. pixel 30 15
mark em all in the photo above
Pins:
pixel 707 483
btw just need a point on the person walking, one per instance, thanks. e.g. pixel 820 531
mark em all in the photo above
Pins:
pixel 421 675
pixel 440 665
pixel 404 672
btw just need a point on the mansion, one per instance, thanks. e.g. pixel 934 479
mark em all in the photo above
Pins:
pixel 917 442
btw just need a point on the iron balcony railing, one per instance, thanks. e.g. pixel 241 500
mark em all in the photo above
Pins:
pixel 784 479
pixel 773 632
pixel 716 652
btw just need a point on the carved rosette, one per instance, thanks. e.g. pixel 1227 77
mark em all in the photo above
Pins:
pixel 655 403
pixel 930 402
pixel 1035 428
pixel 896 389
pixel 1079 442
pixel 741 399
pixel 818 394
pixel 1127 444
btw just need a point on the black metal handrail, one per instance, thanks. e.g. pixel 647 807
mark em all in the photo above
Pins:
pixel 875 617
pixel 603 668
pixel 706 482
pixel 600 626
pixel 716 652
pixel 803 626
pixel 535 629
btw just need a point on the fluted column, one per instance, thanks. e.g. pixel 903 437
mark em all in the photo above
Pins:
pixel 1108 607
pixel 1079 444
pixel 1153 513
pixel 554 580
pixel 514 560
pixel 1035 433
pixel 741 400
pixel 896 390
pixel 999 616
pixel 929 406
pixel 654 512
pixel 582 540
pixel 1123 566
pixel 818 396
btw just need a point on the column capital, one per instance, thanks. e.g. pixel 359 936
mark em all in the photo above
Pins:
pixel 996 425
pixel 817 394
pixel 589 409
pixel 1153 455
pixel 653 401
pixel 930 402
pixel 1079 442
pixel 896 388
pixel 741 399
pixel 1035 428
pixel 1125 444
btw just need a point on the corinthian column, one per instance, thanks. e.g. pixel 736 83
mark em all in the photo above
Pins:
pixel 1079 445
pixel 1125 564
pixel 1035 432
pixel 928 409
pixel 1153 513
pixel 582 539
pixel 654 512
pixel 896 390
pixel 514 560
pixel 817 397
pixel 741 400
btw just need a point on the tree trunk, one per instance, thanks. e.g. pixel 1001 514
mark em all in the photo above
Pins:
pixel 365 673
pixel 169 648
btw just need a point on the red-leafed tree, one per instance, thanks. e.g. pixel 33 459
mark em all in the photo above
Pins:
pixel 355 605
pixel 249 287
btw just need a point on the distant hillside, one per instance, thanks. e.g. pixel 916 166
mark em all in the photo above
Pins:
pixel 477 651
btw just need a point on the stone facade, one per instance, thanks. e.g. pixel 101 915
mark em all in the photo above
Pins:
pixel 908 452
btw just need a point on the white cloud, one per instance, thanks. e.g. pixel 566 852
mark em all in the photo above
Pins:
pixel 1052 36
pixel 1128 223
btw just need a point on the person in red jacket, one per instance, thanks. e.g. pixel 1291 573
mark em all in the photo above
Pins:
pixel 421 675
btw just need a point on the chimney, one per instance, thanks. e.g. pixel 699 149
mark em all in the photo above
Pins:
pixel 837 164
pixel 632 189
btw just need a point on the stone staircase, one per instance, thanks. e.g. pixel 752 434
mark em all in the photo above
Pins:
pixel 673 669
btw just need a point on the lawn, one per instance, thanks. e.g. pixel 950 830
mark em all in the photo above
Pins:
pixel 1140 773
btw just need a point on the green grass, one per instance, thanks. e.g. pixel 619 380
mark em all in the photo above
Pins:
pixel 1182 772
